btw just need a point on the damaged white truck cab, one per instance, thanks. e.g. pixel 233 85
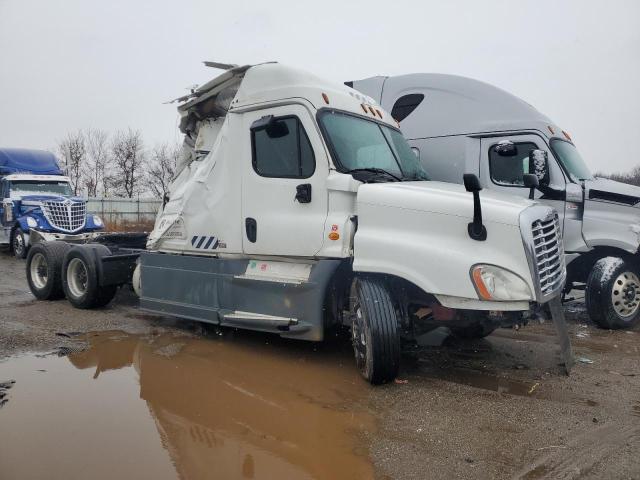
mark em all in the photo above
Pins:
pixel 299 206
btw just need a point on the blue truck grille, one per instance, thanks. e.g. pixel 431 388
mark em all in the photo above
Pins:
pixel 67 216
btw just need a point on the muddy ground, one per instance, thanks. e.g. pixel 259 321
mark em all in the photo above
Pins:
pixel 115 393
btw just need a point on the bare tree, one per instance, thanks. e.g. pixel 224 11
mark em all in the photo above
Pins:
pixel 97 177
pixel 633 177
pixel 161 169
pixel 128 162
pixel 73 151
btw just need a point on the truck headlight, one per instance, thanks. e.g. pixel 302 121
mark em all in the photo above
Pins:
pixel 32 222
pixel 97 221
pixel 495 283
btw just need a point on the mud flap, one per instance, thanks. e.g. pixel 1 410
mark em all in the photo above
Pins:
pixel 557 314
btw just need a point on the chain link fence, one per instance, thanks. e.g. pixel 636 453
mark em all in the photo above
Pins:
pixel 125 214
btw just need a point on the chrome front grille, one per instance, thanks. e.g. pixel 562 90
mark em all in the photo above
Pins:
pixel 67 216
pixel 548 254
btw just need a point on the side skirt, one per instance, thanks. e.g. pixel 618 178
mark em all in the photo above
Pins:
pixel 280 297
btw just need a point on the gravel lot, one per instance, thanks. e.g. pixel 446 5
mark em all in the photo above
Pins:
pixel 494 408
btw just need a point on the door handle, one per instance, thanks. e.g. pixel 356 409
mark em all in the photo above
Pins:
pixel 251 227
pixel 303 193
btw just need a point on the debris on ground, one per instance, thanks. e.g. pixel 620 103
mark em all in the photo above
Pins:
pixel 586 360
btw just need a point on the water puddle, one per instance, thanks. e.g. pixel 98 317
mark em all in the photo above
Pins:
pixel 174 406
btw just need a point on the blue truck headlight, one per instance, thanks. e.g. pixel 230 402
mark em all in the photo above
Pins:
pixel 97 221
pixel 32 222
pixel 497 284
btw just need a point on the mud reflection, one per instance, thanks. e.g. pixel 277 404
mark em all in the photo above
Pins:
pixel 244 409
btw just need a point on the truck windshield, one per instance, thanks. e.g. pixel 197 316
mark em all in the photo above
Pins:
pixel 362 144
pixel 571 160
pixel 35 187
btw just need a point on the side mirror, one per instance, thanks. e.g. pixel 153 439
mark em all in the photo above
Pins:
pixel 476 229
pixel 471 182
pixel 506 148
pixel 273 127
pixel 531 182
pixel 539 166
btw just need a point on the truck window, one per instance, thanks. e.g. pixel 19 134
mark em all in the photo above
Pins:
pixel 287 154
pixel 571 160
pixel 405 105
pixel 30 187
pixel 358 143
pixel 509 171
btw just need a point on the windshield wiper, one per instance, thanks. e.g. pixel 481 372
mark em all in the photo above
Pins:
pixel 375 170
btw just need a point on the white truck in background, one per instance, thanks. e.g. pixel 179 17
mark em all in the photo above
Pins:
pixel 299 206
pixel 458 125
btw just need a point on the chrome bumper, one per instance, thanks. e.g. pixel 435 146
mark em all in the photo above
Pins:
pixel 36 236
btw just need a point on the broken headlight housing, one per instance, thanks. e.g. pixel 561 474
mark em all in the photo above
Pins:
pixel 498 284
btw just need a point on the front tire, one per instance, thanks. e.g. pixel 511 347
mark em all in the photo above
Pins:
pixel 80 280
pixel 44 270
pixel 19 244
pixel 375 336
pixel 613 293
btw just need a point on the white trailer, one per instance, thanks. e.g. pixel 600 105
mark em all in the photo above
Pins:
pixel 299 206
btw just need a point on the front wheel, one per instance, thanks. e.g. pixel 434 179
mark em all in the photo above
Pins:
pixel 19 244
pixel 374 330
pixel 613 293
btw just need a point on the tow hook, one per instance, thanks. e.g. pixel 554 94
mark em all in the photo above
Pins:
pixel 557 315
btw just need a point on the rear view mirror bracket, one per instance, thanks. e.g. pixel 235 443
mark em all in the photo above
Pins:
pixel 475 229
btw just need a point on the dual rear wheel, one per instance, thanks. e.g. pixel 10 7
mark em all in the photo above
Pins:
pixel 56 270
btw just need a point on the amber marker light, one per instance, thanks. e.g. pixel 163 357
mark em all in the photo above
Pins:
pixel 483 291
pixel 325 98
pixel 567 136
pixel 550 129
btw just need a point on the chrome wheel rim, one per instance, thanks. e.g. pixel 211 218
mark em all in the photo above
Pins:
pixel 38 271
pixel 359 339
pixel 77 277
pixel 625 294
pixel 18 244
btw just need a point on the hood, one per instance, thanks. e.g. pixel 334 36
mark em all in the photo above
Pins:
pixel 444 198
pixel 603 189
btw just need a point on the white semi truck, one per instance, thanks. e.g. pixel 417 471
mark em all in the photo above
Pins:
pixel 458 125
pixel 299 206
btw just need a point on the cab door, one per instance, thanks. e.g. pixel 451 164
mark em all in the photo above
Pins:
pixel 284 194
pixel 506 173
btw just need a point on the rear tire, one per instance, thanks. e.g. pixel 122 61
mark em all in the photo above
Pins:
pixel 19 244
pixel 375 335
pixel 80 280
pixel 44 270
pixel 612 293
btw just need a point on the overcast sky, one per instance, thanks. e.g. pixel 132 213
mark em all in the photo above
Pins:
pixel 73 64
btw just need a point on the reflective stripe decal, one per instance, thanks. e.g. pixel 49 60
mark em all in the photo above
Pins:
pixel 204 242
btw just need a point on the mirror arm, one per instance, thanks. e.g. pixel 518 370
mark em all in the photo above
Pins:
pixel 476 229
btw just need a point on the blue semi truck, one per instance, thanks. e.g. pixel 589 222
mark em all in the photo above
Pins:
pixel 37 203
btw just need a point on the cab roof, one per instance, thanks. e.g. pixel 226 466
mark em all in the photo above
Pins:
pixel 454 105
pixel 248 86
pixel 22 160
pixel 25 177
